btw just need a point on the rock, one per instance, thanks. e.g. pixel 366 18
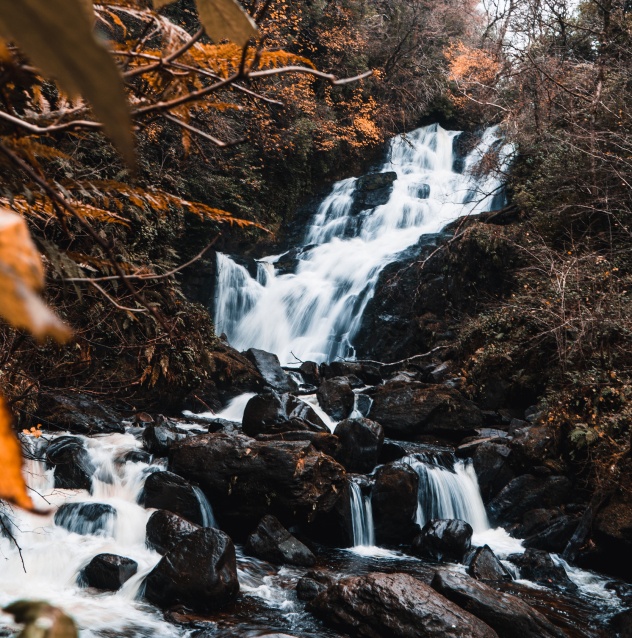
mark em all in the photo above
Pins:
pixel 491 463
pixel 533 445
pixel 137 456
pixel 270 541
pixel 539 567
pixel 72 463
pixel 270 369
pixel 360 444
pixel 143 419
pixel 86 518
pixel 108 571
pixel 444 539
pixel 272 413
pixel 622 624
pixel 325 443
pixel 245 479
pixel 380 605
pixel 367 372
pixel 313 583
pixel 509 616
pixel 484 565
pixel 394 503
pixel 200 573
pixel 77 413
pixel 410 409
pixel 168 491
pixel 310 372
pixel 373 189
pixel 363 404
pixel 166 529
pixel 336 398
pixel 554 537
pixel 158 439
pixel 527 492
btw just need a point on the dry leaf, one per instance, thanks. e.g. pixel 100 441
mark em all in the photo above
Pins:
pixel 41 620
pixel 57 36
pixel 21 277
pixel 12 485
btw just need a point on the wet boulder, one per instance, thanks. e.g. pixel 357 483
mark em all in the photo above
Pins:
pixel 509 616
pixel 71 461
pixel 369 373
pixel 313 583
pixel 538 566
pixel 555 536
pixel 483 564
pixel 379 605
pixel 158 439
pixel 361 443
pixel 200 572
pixel 336 397
pixel 532 445
pixel 273 413
pixel 108 571
pixel 245 479
pixel 371 190
pixel 409 409
pixel 168 491
pixel 165 530
pixel 270 541
pixel 323 442
pixel 270 369
pixel 136 456
pixel 86 518
pixel 492 466
pixel 444 539
pixel 394 502
pixel 310 372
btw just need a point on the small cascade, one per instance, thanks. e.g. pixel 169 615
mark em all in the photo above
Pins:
pixel 208 518
pixel 361 516
pixel 448 488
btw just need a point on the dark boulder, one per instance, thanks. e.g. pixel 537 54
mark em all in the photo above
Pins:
pixel 539 567
pixel 483 564
pixel 491 462
pixel 367 372
pixel 410 409
pixel 168 491
pixel 270 369
pixel 72 463
pixel 360 444
pixel 373 189
pixel 622 624
pixel 310 372
pixel 86 518
pixel 363 404
pixel 336 397
pixel 533 445
pixel 200 573
pixel 313 583
pixel 554 537
pixel 323 442
pixel 380 605
pixel 509 616
pixel 245 478
pixel 108 571
pixel 394 503
pixel 166 529
pixel 270 541
pixel 444 539
pixel 137 456
pixel 273 413
pixel 158 439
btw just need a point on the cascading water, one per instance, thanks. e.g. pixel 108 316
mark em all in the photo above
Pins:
pixel 361 516
pixel 315 312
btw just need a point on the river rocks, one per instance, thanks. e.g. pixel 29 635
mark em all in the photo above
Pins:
pixel 491 462
pixel 507 614
pixel 165 530
pixel 313 583
pixel 539 567
pixel 168 491
pixel 200 573
pixel 323 442
pixel 270 541
pixel 86 518
pixel 108 571
pixel 336 397
pixel 270 369
pixel 394 503
pixel 380 605
pixel 444 539
pixel 71 460
pixel 410 409
pixel 245 479
pixel 555 536
pixel 373 189
pixel 273 413
pixel 484 565
pixel 533 445
pixel 367 372
pixel 158 439
pixel 360 444
pixel 310 373
pixel 528 492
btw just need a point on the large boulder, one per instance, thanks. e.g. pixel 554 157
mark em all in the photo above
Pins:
pixel 273 413
pixel 165 530
pixel 538 566
pixel 555 536
pixel 507 614
pixel 245 478
pixel 491 463
pixel 313 583
pixel 367 372
pixel 272 542
pixel 483 564
pixel 87 518
pixel 270 369
pixel 200 572
pixel 380 605
pixel 394 501
pixel 158 439
pixel 533 445
pixel 410 409
pixel 371 190
pixel 108 571
pixel 444 539
pixel 336 397
pixel 72 463
pixel 168 491
pixel 323 441
pixel 361 443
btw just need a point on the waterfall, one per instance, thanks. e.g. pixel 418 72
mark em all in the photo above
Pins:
pixel 448 488
pixel 361 516
pixel 208 518
pixel 315 312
